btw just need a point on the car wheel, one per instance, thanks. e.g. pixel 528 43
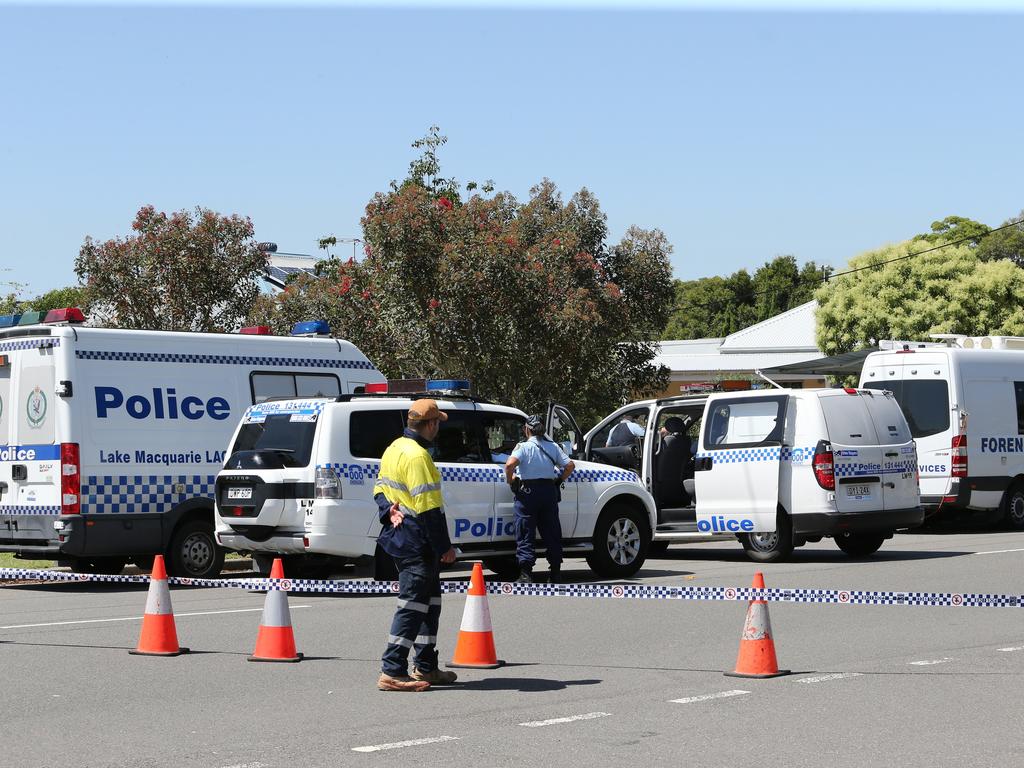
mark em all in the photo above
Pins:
pixel 770 546
pixel 106 566
pixel 621 539
pixel 505 567
pixel 194 551
pixel 1013 507
pixel 860 544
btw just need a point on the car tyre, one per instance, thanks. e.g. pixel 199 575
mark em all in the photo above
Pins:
pixel 194 552
pixel 621 540
pixel 860 544
pixel 770 546
pixel 1013 507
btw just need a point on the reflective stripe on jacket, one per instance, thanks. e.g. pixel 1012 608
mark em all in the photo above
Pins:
pixel 408 476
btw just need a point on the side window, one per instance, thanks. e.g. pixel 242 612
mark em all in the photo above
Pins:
pixel 459 439
pixel 563 431
pixel 502 433
pixel 317 385
pixel 371 432
pixel 1018 391
pixel 277 385
pixel 745 422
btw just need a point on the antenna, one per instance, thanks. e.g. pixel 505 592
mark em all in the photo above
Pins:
pixel 757 372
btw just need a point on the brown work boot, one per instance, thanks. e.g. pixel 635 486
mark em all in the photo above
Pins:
pixel 401 683
pixel 436 677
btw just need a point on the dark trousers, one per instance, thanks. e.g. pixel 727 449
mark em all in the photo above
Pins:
pixel 417 617
pixel 536 508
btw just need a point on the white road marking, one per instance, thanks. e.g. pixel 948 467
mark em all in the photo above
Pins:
pixel 929 662
pixel 997 551
pixel 1011 648
pixel 248 765
pixel 558 720
pixel 401 744
pixel 707 697
pixel 824 678
pixel 134 618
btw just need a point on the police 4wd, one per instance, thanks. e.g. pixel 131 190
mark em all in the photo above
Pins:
pixel 300 475
pixel 775 468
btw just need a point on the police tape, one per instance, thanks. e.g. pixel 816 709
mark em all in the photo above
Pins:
pixel 614 591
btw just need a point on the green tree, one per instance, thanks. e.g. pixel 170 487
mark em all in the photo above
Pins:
pixel 1006 243
pixel 58 298
pixel 946 291
pixel 175 273
pixel 956 228
pixel 524 298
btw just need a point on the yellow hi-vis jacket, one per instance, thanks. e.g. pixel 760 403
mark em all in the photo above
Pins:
pixel 408 476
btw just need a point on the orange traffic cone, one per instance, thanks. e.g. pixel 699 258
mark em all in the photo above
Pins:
pixel 475 646
pixel 275 641
pixel 158 636
pixel 757 649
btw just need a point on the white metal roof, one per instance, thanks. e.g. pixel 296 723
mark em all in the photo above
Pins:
pixel 791 331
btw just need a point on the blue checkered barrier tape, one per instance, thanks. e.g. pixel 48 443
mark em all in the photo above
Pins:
pixel 10 346
pixel 175 357
pixel 615 591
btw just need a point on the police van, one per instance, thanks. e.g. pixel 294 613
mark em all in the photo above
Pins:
pixel 299 482
pixel 110 439
pixel 964 400
pixel 775 468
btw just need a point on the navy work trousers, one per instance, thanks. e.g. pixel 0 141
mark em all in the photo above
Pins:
pixel 536 508
pixel 417 617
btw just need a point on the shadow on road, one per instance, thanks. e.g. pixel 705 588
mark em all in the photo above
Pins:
pixel 521 684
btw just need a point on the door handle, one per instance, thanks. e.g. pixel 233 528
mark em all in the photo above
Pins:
pixel 891 455
pixel 703 464
pixel 19 472
pixel 889 485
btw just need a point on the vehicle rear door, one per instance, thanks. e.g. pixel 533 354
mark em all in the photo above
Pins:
pixel 858 456
pixel 899 455
pixel 737 465
pixel 32 501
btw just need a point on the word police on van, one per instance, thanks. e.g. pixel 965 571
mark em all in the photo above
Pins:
pixel 775 468
pixel 300 478
pixel 110 439
pixel 964 400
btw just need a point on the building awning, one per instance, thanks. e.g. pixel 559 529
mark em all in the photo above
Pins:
pixel 845 364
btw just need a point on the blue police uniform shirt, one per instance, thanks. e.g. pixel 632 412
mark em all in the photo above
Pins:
pixel 534 465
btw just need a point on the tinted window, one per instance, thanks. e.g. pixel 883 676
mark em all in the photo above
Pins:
pixel 371 432
pixel 502 433
pixel 848 420
pixel 459 439
pixel 1018 391
pixel 317 385
pixel 745 422
pixel 925 404
pixel 291 440
pixel 268 385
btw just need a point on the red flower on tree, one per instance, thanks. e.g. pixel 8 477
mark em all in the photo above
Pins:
pixel 346 284
pixel 434 304
pixel 445 203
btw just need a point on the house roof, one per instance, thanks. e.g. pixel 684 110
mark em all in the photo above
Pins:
pixel 792 331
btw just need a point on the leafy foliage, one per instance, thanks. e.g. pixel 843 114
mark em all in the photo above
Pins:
pixel 526 299
pixel 70 296
pixel 954 228
pixel 1006 243
pixel 946 291
pixel 177 272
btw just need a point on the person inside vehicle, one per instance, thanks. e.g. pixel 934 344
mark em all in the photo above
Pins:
pixel 626 431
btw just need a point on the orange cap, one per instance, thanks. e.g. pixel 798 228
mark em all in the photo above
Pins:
pixel 425 410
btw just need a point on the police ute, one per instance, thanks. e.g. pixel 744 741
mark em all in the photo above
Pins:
pixel 299 482
pixel 963 397
pixel 110 439
pixel 774 468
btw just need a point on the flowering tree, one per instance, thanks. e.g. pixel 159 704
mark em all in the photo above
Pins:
pixel 526 299
pixel 175 273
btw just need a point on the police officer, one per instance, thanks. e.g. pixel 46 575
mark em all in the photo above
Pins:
pixel 408 495
pixel 541 466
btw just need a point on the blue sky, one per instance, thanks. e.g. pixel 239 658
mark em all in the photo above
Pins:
pixel 760 130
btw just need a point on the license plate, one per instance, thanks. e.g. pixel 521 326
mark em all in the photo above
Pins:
pixel 858 491
pixel 239 493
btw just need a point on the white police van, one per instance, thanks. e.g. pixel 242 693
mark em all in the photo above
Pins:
pixel 299 482
pixel 110 439
pixel 964 401
pixel 776 468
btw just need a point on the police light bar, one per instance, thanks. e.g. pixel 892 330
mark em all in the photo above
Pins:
pixel 311 328
pixel 6 321
pixel 380 387
pixel 448 385
pixel 65 315
pixel 31 318
pixel 256 330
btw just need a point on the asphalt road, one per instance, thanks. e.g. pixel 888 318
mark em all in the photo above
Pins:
pixel 884 685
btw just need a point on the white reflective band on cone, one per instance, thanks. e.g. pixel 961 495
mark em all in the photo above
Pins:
pixel 758 625
pixel 159 598
pixel 477 615
pixel 275 610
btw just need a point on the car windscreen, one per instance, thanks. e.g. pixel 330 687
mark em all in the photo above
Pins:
pixel 925 403
pixel 291 440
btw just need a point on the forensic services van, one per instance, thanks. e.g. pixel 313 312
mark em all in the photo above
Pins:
pixel 110 439
pixel 964 400
pixel 775 468
pixel 299 482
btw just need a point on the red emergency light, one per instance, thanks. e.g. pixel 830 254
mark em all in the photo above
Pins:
pixel 65 315
pixel 256 330
pixel 377 387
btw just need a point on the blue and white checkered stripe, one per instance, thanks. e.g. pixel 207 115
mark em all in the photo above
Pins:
pixel 603 476
pixel 29 509
pixel 614 591
pixel 852 470
pixel 484 473
pixel 796 455
pixel 113 494
pixel 174 357
pixel 11 346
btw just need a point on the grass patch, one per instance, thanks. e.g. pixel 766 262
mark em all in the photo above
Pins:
pixel 8 560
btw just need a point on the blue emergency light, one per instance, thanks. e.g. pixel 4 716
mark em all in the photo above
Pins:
pixel 448 385
pixel 6 321
pixel 311 328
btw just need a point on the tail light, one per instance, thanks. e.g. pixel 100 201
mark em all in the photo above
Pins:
pixel 328 486
pixel 824 466
pixel 959 456
pixel 70 480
